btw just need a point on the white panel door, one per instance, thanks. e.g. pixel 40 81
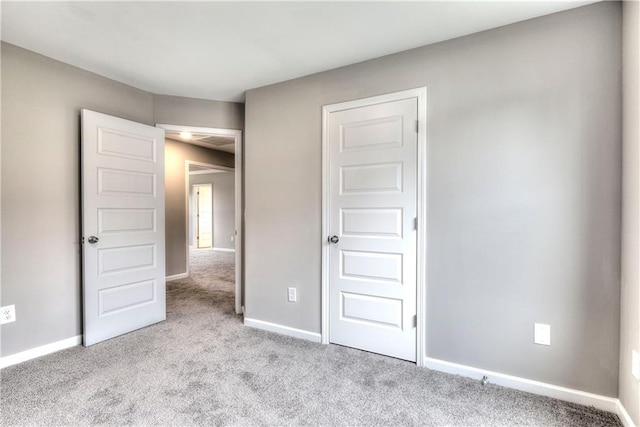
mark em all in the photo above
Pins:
pixel 122 226
pixel 372 210
pixel 204 216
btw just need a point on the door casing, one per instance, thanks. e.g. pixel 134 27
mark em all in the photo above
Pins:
pixel 421 283
pixel 239 205
pixel 188 189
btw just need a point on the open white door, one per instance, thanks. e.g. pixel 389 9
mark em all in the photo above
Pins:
pixel 204 211
pixel 123 249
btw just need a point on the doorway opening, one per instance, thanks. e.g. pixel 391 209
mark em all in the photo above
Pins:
pixel 211 206
pixel 222 234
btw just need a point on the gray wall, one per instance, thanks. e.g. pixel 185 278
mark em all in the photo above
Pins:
pixel 524 154
pixel 223 201
pixel 177 110
pixel 176 154
pixel 630 295
pixel 41 101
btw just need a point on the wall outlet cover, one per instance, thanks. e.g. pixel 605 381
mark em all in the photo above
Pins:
pixel 291 294
pixel 542 334
pixel 7 314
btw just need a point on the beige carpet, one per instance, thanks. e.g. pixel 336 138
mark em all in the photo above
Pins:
pixel 203 367
pixel 211 283
pixel 214 269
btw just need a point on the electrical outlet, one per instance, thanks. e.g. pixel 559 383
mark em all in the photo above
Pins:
pixel 7 314
pixel 635 364
pixel 291 294
pixel 541 334
pixel 233 238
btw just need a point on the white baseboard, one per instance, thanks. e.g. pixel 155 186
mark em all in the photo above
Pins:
pixel 624 416
pixel 609 404
pixel 43 350
pixel 282 330
pixel 223 249
pixel 177 277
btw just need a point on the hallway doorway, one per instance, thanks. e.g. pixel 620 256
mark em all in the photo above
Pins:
pixel 225 202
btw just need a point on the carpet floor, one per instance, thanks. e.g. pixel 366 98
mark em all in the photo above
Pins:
pixel 203 367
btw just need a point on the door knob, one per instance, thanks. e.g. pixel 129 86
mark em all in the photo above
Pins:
pixel 93 239
pixel 334 239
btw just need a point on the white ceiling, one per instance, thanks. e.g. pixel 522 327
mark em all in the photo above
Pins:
pixel 217 50
pixel 206 140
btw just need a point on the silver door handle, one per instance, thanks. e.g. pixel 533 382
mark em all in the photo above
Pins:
pixel 93 239
pixel 334 239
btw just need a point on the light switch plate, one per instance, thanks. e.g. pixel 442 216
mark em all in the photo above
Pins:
pixel 542 334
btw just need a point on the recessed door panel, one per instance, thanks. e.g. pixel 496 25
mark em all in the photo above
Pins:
pixel 374 266
pixel 127 258
pixel 126 220
pixel 371 222
pixel 379 178
pixel 373 310
pixel 126 145
pixel 372 134
pixel 126 297
pixel 113 182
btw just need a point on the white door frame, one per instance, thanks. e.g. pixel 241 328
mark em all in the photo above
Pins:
pixel 421 95
pixel 238 169
pixel 188 193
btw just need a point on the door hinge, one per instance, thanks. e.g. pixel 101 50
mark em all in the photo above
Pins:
pixel 414 321
pixel 415 223
pixel 417 126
